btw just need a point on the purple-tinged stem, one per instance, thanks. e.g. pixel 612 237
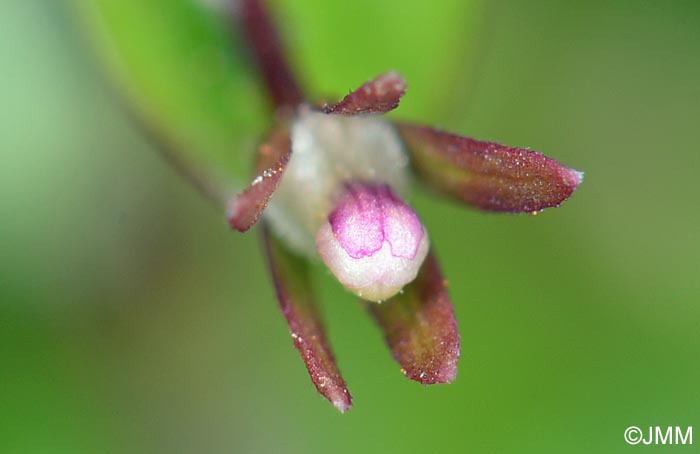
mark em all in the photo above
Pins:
pixel 268 53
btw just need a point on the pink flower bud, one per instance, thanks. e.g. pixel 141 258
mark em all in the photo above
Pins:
pixel 373 242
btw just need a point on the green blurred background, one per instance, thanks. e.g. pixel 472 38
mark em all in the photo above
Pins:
pixel 133 320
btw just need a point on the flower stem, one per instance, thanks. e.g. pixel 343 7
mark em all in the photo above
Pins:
pixel 267 51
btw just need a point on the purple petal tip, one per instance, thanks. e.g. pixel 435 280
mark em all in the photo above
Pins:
pixel 342 402
pixel 576 177
pixel 379 95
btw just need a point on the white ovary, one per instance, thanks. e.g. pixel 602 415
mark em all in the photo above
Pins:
pixel 327 151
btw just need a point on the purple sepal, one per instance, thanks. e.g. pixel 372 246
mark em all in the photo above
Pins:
pixel 488 175
pixel 378 96
pixel 245 208
pixel 293 287
pixel 420 327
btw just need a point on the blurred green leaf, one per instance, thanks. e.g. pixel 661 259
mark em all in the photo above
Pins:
pixel 184 72
pixel 178 64
pixel 340 45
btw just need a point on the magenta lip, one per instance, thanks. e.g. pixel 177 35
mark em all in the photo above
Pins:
pixel 370 214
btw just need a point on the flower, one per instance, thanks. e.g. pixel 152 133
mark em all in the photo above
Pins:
pixel 328 185
pixel 373 242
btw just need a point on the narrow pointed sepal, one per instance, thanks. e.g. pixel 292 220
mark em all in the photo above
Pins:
pixel 488 175
pixel 378 96
pixel 420 327
pixel 292 284
pixel 244 209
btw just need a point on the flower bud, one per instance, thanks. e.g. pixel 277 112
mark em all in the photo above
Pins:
pixel 373 242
